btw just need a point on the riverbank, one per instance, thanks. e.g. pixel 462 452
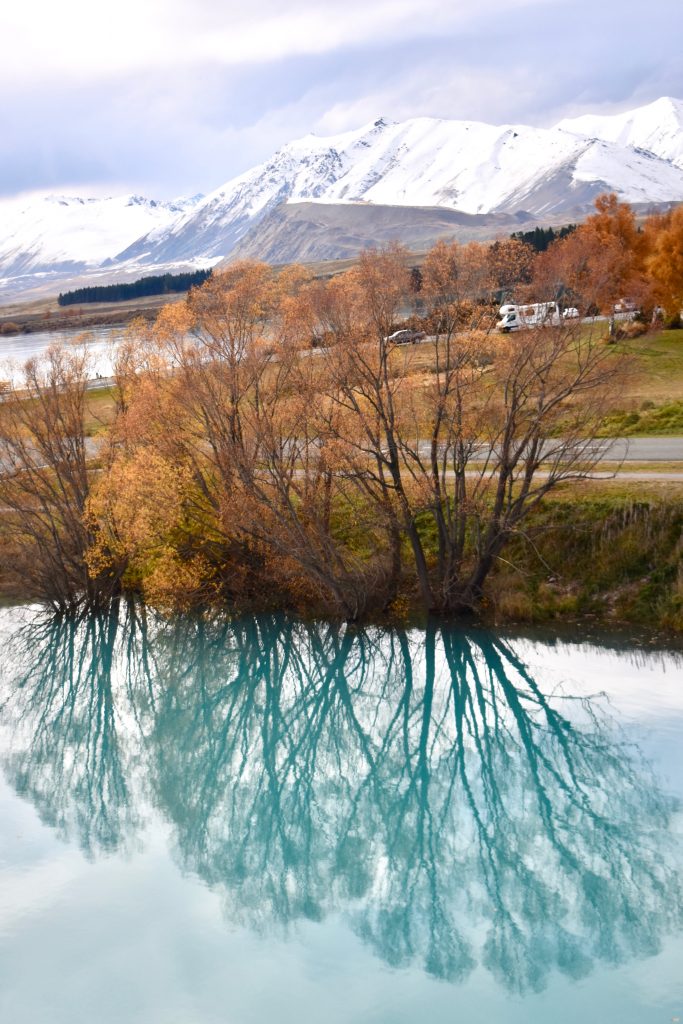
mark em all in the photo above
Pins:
pixel 608 554
pixel 247 476
pixel 45 315
pixel 602 554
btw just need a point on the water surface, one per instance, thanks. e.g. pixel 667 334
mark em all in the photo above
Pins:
pixel 16 349
pixel 261 820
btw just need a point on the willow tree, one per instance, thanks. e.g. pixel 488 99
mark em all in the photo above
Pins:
pixel 221 462
pixel 464 453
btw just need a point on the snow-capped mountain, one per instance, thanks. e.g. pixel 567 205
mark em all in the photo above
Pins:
pixel 425 162
pixel 59 234
pixel 541 175
pixel 656 128
pixel 459 165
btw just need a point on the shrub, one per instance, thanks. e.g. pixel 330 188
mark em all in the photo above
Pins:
pixel 630 329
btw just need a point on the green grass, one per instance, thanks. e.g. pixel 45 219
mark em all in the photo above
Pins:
pixel 657 374
pixel 651 419
pixel 610 554
pixel 650 401
pixel 99 410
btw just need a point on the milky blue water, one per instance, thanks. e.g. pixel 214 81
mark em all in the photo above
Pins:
pixel 268 821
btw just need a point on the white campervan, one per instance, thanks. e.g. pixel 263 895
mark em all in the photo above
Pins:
pixel 534 314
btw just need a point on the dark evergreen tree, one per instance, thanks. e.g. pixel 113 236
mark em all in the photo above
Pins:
pixel 163 284
pixel 540 238
pixel 415 279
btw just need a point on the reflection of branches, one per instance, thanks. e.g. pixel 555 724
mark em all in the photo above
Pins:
pixel 413 784
pixel 420 784
pixel 61 703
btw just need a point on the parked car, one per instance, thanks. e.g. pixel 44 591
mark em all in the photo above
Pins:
pixel 570 313
pixel 405 337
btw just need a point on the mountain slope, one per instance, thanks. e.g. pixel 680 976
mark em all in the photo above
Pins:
pixel 425 162
pixel 67 233
pixel 308 232
pixel 657 128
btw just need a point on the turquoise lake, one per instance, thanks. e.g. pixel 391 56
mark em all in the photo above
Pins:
pixel 261 820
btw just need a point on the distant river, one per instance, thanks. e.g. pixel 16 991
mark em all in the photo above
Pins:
pixel 263 820
pixel 17 348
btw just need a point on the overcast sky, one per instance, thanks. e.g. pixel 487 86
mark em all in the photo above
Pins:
pixel 175 98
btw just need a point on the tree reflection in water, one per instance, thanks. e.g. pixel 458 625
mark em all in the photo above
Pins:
pixel 61 699
pixel 421 785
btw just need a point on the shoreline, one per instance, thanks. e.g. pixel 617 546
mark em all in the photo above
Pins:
pixel 602 556
pixel 585 628
pixel 43 316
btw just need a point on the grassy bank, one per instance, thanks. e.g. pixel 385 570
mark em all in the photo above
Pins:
pixel 599 554
pixel 609 554
pixel 39 315
pixel 650 404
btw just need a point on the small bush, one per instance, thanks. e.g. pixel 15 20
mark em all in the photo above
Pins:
pixel 511 601
pixel 630 329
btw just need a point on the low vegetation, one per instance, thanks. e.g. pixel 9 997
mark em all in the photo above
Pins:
pixel 651 419
pixel 611 553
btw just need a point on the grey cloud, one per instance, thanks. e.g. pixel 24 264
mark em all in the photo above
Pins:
pixel 187 127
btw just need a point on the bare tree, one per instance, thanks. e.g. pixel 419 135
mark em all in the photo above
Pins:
pixel 333 477
pixel 468 454
pixel 45 482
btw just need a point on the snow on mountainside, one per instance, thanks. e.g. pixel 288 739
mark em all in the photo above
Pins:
pixel 69 233
pixel 657 128
pixel 482 170
pixel 460 165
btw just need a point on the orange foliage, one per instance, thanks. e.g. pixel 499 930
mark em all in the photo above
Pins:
pixel 605 259
pixel 665 262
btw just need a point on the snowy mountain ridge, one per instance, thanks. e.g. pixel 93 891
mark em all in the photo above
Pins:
pixel 466 166
pixel 71 233
pixel 656 128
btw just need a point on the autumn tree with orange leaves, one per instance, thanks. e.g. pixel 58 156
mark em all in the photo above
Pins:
pixel 315 478
pixel 665 260
pixel 45 483
pixel 274 447
pixel 600 262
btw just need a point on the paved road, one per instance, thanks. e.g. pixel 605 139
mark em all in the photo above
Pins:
pixel 643 449
pixel 626 449
pixel 644 476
